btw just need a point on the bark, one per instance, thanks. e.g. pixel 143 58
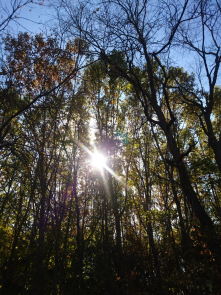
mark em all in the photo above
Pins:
pixel 213 142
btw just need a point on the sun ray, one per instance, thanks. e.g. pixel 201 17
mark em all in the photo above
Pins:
pixel 98 160
pixel 103 164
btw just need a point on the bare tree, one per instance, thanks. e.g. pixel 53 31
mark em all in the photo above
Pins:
pixel 10 11
pixel 205 44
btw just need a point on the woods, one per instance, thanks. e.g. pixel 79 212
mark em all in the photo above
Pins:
pixel 137 82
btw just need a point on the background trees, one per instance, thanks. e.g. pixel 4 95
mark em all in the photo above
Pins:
pixel 148 222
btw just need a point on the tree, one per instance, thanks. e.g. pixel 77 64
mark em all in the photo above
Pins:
pixel 11 11
pixel 146 222
pixel 35 69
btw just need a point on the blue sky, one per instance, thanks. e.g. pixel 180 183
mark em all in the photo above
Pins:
pixel 30 18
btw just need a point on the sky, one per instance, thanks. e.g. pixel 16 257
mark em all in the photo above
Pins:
pixel 30 18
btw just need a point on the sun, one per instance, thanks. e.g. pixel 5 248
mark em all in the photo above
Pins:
pixel 98 160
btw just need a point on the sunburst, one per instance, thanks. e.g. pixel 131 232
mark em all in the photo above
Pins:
pixel 98 160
